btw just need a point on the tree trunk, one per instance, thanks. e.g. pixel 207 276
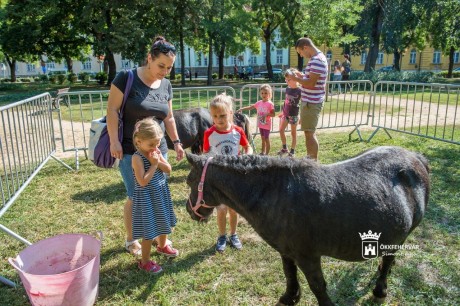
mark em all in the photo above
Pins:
pixel 112 67
pixel 69 63
pixel 374 45
pixel 209 82
pixel 397 60
pixel 12 65
pixel 182 58
pixel 300 62
pixel 451 62
pixel 221 61
pixel 268 62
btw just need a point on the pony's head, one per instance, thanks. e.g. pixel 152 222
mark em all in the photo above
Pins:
pixel 200 202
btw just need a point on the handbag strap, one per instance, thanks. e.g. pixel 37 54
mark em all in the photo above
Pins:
pixel 129 83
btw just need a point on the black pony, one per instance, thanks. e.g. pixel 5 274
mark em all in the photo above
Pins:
pixel 191 124
pixel 312 210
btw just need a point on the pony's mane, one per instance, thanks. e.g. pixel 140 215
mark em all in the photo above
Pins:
pixel 245 163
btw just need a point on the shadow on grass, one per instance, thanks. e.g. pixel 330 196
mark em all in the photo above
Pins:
pixel 126 279
pixel 108 194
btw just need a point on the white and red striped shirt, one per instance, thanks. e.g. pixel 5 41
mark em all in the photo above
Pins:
pixel 225 142
pixel 318 65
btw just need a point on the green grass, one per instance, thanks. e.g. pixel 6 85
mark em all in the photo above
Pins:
pixel 61 201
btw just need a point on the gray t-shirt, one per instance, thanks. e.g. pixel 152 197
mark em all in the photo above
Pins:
pixel 142 102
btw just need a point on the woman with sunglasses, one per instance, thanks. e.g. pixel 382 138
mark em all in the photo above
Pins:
pixel 150 96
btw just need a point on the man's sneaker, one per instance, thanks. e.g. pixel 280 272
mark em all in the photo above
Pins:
pixel 282 152
pixel 235 242
pixel 221 243
pixel 168 251
pixel 150 266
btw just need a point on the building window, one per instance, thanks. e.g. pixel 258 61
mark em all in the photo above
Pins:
pixel 380 58
pixel 456 57
pixel 205 61
pixel 329 56
pixel 279 56
pixel 233 60
pixel 198 59
pixel 86 65
pixel 413 56
pixel 436 57
pixel 50 65
pixel 264 53
pixel 363 57
pixel 125 63
pixel 30 68
pixel 252 60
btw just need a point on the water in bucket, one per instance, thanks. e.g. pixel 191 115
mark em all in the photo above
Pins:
pixel 61 270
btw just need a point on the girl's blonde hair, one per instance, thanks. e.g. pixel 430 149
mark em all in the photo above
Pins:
pixel 266 87
pixel 291 71
pixel 147 128
pixel 222 101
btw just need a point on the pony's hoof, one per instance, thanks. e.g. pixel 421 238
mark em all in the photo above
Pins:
pixel 288 300
pixel 379 294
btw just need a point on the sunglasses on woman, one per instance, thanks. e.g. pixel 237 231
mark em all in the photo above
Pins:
pixel 164 47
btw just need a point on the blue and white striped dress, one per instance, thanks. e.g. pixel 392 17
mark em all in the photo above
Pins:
pixel 153 213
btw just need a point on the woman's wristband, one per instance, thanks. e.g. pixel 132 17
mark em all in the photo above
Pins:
pixel 176 142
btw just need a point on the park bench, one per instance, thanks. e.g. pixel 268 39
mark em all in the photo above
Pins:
pixel 56 99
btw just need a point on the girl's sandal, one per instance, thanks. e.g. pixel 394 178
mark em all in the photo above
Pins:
pixel 133 247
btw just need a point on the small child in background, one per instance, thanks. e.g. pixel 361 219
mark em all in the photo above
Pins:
pixel 265 110
pixel 226 138
pixel 153 214
pixel 290 113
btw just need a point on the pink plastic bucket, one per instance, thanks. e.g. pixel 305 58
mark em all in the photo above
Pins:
pixel 61 270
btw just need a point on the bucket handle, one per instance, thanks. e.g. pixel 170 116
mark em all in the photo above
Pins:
pixel 14 263
pixel 100 235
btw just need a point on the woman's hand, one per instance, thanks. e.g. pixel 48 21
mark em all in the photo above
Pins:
pixel 179 151
pixel 116 150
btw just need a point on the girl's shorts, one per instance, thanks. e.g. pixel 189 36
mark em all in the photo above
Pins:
pixel 291 119
pixel 264 133
pixel 126 171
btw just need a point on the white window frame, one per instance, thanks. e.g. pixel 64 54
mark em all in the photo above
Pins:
pixel 363 58
pixel 329 56
pixel 413 56
pixel 456 57
pixel 87 65
pixel 279 56
pixel 31 67
pixel 380 58
pixel 50 65
pixel 437 57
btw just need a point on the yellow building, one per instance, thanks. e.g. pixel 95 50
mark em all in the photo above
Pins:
pixel 428 59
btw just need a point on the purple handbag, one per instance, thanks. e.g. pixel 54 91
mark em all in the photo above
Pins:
pixel 102 156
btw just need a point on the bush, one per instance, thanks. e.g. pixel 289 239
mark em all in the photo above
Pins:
pixel 52 79
pixel 455 74
pixel 44 78
pixel 61 78
pixel 214 76
pixel 178 76
pixel 83 77
pixel 72 78
pixel 278 77
pixel 24 80
pixel 394 76
pixel 101 77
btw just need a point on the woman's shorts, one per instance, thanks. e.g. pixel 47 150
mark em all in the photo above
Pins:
pixel 309 116
pixel 126 170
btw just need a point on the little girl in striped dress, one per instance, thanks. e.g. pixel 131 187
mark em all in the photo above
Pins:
pixel 153 214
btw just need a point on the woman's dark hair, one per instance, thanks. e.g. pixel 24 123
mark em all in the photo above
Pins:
pixel 161 45
pixel 346 56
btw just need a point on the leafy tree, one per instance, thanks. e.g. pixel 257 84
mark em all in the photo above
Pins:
pixel 444 28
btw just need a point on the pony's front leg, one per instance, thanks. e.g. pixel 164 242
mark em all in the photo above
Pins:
pixel 292 294
pixel 311 267
pixel 380 290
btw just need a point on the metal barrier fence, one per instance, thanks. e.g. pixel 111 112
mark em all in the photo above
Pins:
pixel 26 144
pixel 421 109
pixel 347 104
pixel 76 110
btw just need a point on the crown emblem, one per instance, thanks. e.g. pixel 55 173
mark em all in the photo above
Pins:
pixel 370 235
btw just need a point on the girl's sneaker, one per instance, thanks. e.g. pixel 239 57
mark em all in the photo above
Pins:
pixel 150 266
pixel 282 152
pixel 168 251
